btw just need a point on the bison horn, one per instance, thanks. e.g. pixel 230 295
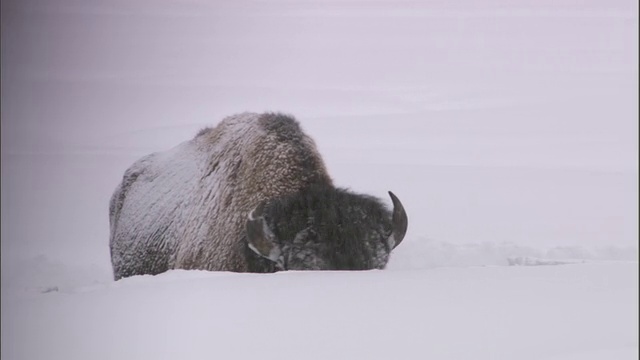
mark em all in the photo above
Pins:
pixel 400 222
pixel 259 237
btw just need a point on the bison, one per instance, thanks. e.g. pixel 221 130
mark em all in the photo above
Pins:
pixel 249 195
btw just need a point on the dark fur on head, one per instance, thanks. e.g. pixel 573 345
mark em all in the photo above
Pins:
pixel 325 228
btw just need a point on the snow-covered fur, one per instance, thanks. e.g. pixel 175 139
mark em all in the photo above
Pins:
pixel 191 207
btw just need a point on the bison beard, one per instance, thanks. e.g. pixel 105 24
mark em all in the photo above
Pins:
pixel 250 195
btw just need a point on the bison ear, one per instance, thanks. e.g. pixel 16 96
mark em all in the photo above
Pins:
pixel 260 238
pixel 399 221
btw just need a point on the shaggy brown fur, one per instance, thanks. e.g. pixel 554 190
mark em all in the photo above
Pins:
pixel 186 208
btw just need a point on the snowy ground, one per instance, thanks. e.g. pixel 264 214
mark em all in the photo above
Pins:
pixel 509 131
pixel 585 311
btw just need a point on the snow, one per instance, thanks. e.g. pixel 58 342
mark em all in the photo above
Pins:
pixel 509 131
pixel 555 312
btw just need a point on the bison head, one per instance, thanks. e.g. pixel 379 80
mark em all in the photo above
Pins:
pixel 326 229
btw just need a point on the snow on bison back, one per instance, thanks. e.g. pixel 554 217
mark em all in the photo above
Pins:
pixel 249 195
